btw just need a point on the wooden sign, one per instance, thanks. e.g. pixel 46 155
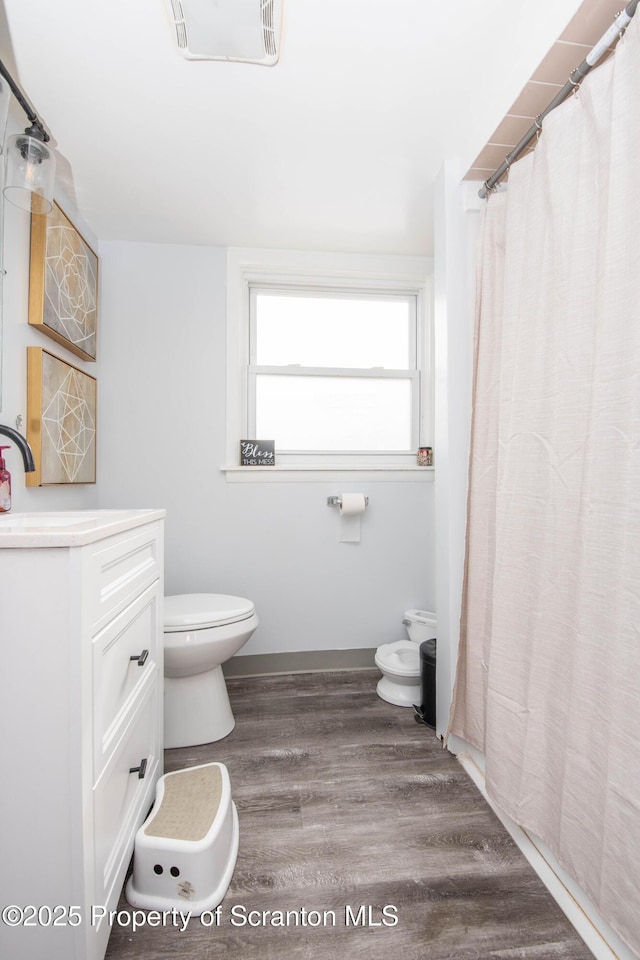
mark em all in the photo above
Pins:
pixel 257 453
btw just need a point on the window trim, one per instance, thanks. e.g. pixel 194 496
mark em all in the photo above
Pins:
pixel 374 275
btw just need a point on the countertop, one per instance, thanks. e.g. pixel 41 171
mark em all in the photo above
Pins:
pixel 69 528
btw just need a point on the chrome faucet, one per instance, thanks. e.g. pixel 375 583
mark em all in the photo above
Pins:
pixel 22 445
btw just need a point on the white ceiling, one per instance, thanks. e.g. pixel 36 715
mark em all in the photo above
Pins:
pixel 334 148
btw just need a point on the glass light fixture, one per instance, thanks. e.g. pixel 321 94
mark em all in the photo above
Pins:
pixel 30 162
pixel 30 172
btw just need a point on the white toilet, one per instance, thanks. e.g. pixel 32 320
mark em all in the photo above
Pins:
pixel 400 661
pixel 201 632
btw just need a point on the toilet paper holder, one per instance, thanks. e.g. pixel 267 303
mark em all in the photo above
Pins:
pixel 337 501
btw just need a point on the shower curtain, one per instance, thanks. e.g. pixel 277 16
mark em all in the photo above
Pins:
pixel 548 678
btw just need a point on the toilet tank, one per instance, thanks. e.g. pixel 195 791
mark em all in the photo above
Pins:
pixel 421 625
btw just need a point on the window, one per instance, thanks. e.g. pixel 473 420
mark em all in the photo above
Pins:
pixel 333 369
pixel 333 372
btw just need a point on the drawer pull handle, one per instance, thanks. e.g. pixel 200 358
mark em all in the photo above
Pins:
pixel 141 770
pixel 141 658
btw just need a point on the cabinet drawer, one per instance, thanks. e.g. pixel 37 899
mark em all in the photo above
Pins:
pixel 117 678
pixel 119 568
pixel 121 799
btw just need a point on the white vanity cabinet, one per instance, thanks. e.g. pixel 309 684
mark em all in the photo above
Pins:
pixel 81 677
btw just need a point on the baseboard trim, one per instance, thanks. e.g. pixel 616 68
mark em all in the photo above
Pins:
pixel 303 661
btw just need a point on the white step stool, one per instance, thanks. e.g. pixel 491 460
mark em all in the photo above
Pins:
pixel 186 850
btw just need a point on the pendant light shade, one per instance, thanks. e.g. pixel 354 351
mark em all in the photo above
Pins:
pixel 30 172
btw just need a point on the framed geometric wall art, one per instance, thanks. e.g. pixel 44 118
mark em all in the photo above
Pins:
pixel 61 420
pixel 63 284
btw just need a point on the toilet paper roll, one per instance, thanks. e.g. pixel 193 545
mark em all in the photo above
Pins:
pixel 352 507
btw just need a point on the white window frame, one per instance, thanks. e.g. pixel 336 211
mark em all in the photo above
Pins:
pixel 326 273
pixel 410 373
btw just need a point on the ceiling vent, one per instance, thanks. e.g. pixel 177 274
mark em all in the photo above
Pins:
pixel 244 31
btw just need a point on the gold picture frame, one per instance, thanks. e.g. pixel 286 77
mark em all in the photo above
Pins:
pixel 61 420
pixel 63 284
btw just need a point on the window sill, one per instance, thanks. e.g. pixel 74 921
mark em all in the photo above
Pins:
pixel 300 473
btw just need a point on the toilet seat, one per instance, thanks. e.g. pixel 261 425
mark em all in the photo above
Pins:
pixel 199 611
pixel 400 659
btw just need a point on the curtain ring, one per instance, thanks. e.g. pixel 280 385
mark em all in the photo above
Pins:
pixel 538 123
pixel 574 83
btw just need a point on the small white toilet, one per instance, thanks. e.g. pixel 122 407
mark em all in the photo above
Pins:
pixel 400 661
pixel 201 632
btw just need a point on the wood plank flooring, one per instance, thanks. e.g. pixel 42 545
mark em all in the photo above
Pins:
pixel 345 802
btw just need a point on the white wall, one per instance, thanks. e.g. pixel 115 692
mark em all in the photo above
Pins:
pixel 456 224
pixel 162 429
pixel 17 335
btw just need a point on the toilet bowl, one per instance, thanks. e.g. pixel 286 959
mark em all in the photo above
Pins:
pixel 201 632
pixel 400 661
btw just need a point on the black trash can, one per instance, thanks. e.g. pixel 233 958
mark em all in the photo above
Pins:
pixel 427 713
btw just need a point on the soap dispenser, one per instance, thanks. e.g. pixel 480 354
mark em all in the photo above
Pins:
pixel 5 485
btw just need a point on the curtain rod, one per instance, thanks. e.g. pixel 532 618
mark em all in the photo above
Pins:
pixel 616 29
